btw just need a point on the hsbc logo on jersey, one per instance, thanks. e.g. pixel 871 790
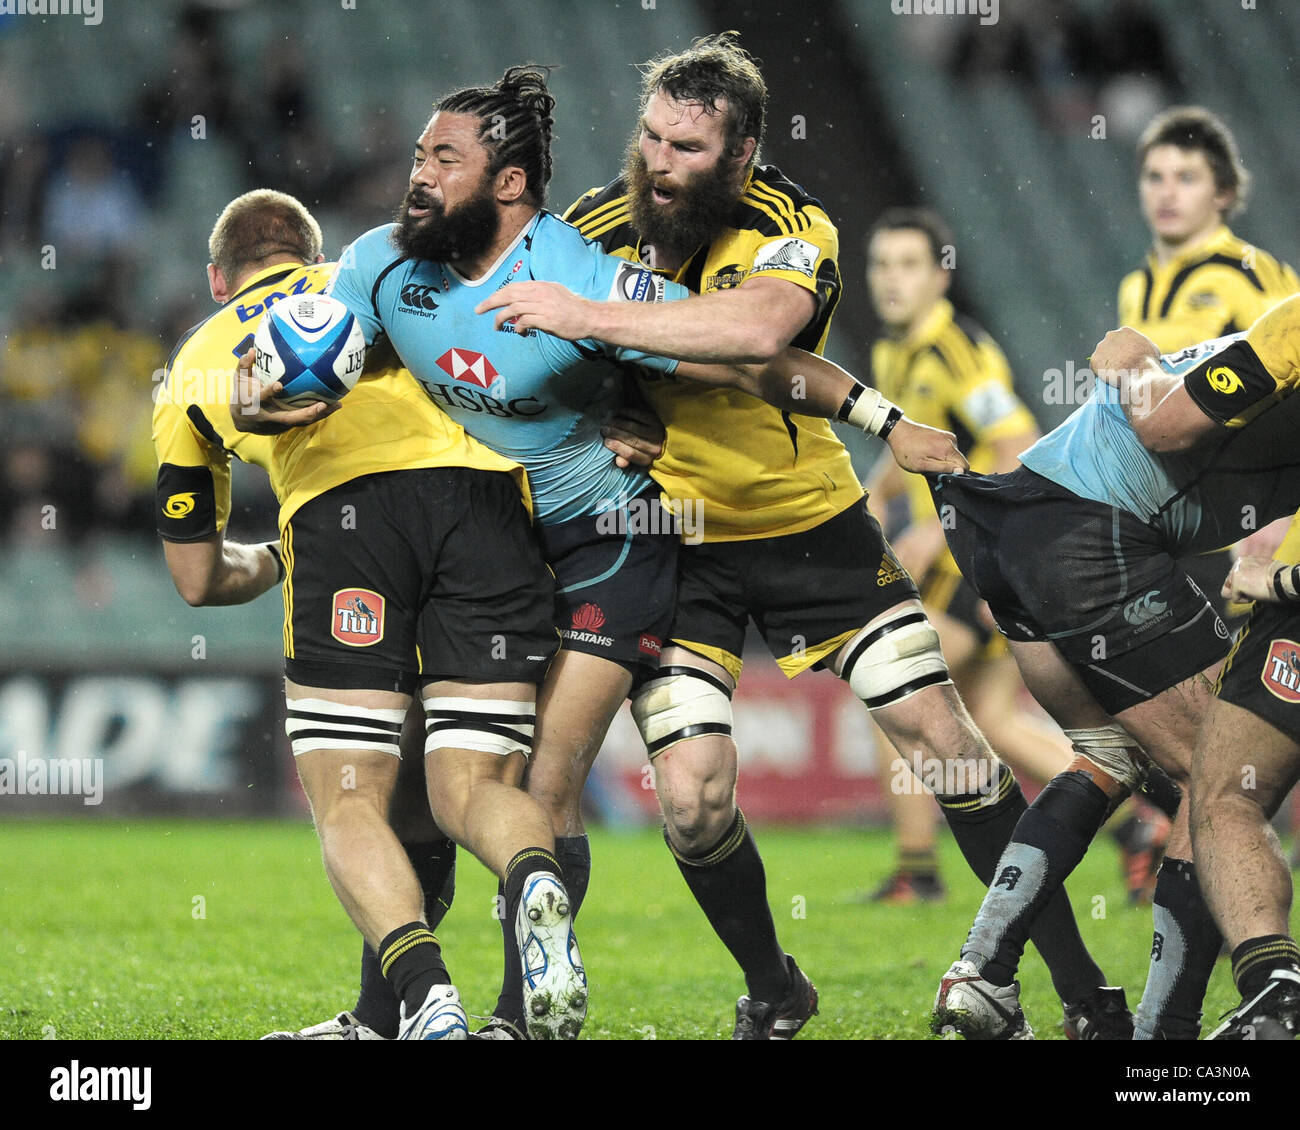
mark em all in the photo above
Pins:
pixel 1281 674
pixel 357 618
pixel 467 365
pixel 585 626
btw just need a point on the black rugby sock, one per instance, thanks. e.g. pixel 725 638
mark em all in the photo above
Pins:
pixel 574 854
pixel 729 883
pixel 1023 853
pixel 1184 947
pixel 435 867
pixel 411 959
pixel 1256 958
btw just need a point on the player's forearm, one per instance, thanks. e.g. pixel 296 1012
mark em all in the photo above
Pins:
pixel 794 381
pixel 215 572
pixel 724 328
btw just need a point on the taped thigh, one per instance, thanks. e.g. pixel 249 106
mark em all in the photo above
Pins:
pixel 680 703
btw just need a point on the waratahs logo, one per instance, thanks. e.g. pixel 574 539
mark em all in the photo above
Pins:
pixel 585 627
pixel 358 617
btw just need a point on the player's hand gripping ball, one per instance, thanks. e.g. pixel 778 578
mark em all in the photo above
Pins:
pixel 313 345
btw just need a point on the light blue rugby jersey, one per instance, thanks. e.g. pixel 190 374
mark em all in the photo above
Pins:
pixel 534 398
pixel 1096 454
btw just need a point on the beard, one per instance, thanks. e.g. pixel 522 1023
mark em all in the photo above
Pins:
pixel 465 232
pixel 698 211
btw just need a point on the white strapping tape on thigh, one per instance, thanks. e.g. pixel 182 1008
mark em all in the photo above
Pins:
pixel 887 663
pixel 1112 749
pixel 316 723
pixel 678 704
pixel 490 725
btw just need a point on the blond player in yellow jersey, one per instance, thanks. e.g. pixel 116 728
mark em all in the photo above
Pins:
pixel 785 539
pixel 408 562
pixel 943 370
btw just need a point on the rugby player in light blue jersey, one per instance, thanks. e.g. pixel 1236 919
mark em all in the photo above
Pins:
pixel 1077 554
pixel 473 221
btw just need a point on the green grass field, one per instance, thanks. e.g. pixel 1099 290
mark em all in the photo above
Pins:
pixel 206 930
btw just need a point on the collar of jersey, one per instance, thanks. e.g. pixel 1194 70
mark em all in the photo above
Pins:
pixel 269 274
pixel 931 326
pixel 1221 239
pixel 527 229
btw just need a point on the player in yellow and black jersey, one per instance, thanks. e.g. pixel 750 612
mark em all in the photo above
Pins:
pixel 780 533
pixel 943 370
pixel 1199 280
pixel 792 473
pixel 408 560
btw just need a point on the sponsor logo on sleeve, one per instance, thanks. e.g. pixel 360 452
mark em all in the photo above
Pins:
pixel 790 254
pixel 1224 380
pixel 636 284
pixel 989 404
pixel 178 505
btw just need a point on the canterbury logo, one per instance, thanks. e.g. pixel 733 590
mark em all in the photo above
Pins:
pixel 1145 609
pixel 178 505
pixel 1157 945
pixel 419 297
pixel 1224 380
pixel 1009 877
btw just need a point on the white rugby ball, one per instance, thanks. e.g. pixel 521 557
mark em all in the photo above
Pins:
pixel 313 345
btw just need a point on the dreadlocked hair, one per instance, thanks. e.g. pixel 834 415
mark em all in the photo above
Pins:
pixel 515 123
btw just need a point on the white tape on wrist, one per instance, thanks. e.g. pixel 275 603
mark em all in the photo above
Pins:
pixel 865 408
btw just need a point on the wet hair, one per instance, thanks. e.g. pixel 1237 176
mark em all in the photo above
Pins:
pixel 713 68
pixel 515 123
pixel 1197 129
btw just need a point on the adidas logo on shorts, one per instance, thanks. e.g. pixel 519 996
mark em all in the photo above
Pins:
pixel 889 572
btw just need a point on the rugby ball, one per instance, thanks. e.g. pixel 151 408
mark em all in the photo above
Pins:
pixel 313 345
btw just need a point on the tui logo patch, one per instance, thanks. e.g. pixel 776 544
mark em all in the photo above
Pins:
pixel 1281 674
pixel 467 365
pixel 357 618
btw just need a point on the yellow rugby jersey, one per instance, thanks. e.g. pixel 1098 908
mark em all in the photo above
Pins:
pixel 386 423
pixel 951 375
pixel 758 472
pixel 1289 551
pixel 1217 288
pixel 1236 384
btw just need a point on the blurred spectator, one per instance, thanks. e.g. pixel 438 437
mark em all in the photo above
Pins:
pixel 1074 64
pixel 92 207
